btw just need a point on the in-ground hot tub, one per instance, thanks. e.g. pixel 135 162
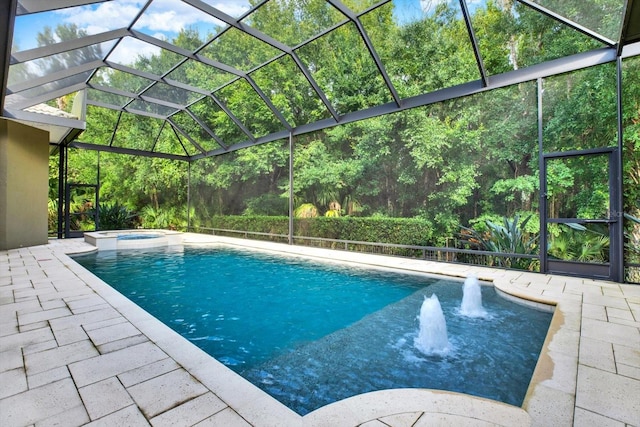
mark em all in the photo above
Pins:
pixel 132 239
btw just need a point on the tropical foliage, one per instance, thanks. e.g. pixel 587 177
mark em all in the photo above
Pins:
pixel 449 163
pixel 579 243
pixel 509 237
pixel 114 216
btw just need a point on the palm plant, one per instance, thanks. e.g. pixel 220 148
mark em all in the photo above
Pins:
pixel 508 238
pixel 155 217
pixel 114 216
pixel 332 213
pixel 306 210
pixel 632 248
pixel 632 237
pixel 334 210
pixel 172 218
pixel 580 243
pixel 81 213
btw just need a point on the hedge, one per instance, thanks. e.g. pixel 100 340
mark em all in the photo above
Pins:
pixel 404 231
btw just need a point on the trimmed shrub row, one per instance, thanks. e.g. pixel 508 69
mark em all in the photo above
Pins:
pixel 260 224
pixel 404 231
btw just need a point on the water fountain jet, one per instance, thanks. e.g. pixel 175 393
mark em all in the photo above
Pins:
pixel 432 338
pixel 472 298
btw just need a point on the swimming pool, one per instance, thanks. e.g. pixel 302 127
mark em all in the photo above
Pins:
pixel 132 239
pixel 312 333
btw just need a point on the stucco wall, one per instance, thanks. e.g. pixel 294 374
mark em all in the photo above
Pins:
pixel 24 185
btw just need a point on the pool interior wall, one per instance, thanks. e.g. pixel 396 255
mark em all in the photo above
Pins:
pixel 310 334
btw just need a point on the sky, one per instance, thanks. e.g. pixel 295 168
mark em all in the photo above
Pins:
pixel 163 20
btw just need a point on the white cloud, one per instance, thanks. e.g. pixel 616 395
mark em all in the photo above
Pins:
pixel 164 17
pixel 168 16
pixel 95 29
pixel 130 49
pixel 160 36
pixel 230 7
pixel 171 16
pixel 103 16
pixel 162 21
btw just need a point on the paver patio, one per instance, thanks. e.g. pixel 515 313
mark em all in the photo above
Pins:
pixel 73 351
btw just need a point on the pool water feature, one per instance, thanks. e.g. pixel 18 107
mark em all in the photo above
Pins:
pixel 433 338
pixel 311 333
pixel 471 305
pixel 132 239
pixel 133 236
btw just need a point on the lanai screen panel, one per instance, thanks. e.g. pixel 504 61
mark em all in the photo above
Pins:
pixel 604 18
pixel 446 164
pixel 420 45
pixel 279 66
pixel 291 92
pixel 631 168
pixel 244 184
pixel 593 123
pixel 369 89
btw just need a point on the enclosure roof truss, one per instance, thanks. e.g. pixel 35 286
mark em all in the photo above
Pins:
pixel 92 65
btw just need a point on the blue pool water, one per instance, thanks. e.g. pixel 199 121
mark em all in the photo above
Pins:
pixel 139 236
pixel 310 333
